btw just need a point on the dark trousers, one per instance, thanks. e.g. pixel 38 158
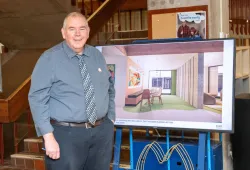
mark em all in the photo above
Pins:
pixel 83 149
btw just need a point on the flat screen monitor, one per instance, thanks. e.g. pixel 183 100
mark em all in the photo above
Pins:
pixel 187 85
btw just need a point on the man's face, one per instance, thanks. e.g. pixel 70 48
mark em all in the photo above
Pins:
pixel 76 33
pixel 184 23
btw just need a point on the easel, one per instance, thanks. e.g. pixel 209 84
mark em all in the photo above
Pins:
pixel 203 144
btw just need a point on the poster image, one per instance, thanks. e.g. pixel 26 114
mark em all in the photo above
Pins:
pixel 175 85
pixel 191 25
pixel 134 78
pixel 111 69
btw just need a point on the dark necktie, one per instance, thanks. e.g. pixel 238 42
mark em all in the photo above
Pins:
pixel 88 91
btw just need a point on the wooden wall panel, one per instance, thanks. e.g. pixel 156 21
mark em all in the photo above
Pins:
pixel 239 9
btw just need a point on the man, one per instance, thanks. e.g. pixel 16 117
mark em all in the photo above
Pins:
pixel 183 31
pixel 72 101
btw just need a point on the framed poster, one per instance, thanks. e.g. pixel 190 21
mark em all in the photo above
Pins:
pixel 191 25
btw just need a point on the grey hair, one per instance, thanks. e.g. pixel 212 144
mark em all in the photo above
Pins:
pixel 73 14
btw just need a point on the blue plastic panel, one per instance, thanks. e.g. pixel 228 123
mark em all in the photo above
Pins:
pixel 176 162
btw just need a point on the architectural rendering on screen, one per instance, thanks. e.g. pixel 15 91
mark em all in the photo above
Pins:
pixel 173 84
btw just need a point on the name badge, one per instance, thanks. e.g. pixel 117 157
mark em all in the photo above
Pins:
pixel 99 69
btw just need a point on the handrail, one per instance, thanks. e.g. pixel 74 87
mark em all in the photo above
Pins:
pixel 19 88
pixel 98 9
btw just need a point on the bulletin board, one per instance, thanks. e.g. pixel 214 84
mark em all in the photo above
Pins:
pixel 162 23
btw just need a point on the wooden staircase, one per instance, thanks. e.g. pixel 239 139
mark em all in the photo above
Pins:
pixel 16 82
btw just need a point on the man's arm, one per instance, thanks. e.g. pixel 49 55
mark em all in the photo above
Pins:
pixel 39 95
pixel 111 91
pixel 111 110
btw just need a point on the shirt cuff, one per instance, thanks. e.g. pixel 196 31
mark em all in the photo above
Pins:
pixel 44 129
pixel 111 116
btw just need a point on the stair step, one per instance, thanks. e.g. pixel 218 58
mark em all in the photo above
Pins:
pixel 131 34
pixel 9 168
pixel 28 161
pixel 33 145
pixel 123 165
pixel 125 40
pixel 128 39
pixel 122 31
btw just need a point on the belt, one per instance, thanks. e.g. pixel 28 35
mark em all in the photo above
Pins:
pixel 87 125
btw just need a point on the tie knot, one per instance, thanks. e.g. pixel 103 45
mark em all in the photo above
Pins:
pixel 79 56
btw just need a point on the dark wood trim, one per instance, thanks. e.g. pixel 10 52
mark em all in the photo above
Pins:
pixel 127 6
pixel 73 2
pixel 91 6
pixel 119 20
pixel 141 13
pixel 130 20
pixel 175 10
pixel 174 48
pixel 83 8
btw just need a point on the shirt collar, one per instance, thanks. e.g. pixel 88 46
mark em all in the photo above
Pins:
pixel 71 53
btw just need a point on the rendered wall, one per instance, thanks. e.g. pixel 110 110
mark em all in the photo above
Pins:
pixel 190 81
pixel 120 73
pixel 173 86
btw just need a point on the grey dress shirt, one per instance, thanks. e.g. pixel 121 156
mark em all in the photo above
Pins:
pixel 56 90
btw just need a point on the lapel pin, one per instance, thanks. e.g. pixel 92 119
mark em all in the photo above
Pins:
pixel 99 69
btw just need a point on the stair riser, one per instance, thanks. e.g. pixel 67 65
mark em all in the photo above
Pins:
pixel 32 164
pixel 28 164
pixel 33 147
pixel 131 34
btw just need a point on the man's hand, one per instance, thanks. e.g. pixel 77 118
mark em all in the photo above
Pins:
pixel 113 121
pixel 51 146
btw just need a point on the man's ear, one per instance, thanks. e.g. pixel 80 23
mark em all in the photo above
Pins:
pixel 63 33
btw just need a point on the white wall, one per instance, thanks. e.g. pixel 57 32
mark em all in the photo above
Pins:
pixel 213 59
pixel 120 61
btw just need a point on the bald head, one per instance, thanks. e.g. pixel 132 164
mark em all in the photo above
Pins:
pixel 73 15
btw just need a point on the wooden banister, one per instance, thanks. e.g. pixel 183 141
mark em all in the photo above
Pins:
pixel 12 107
pixel 4 111
pixel 18 101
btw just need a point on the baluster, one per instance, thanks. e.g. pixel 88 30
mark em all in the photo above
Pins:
pixel 83 8
pixel 91 7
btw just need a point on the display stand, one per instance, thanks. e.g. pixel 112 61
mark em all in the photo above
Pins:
pixel 117 148
pixel 131 148
pixel 168 147
pixel 201 151
pixel 204 140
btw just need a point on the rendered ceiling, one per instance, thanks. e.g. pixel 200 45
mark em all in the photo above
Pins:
pixel 32 23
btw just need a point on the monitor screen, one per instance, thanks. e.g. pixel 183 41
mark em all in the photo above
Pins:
pixel 186 85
